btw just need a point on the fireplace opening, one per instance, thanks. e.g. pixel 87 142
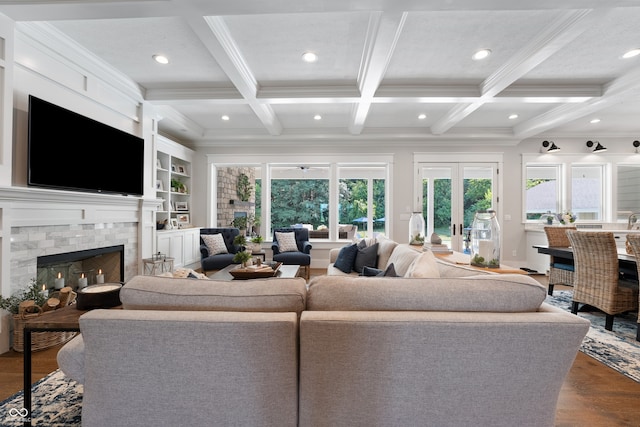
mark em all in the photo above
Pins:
pixel 81 268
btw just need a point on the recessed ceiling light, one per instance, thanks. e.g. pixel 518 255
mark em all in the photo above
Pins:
pixel 481 54
pixel 631 53
pixel 513 116
pixel 309 57
pixel 160 59
pixel 594 121
pixel 422 116
pixel 317 117
pixel 225 118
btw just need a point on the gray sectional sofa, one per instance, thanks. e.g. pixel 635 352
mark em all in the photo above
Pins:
pixel 342 351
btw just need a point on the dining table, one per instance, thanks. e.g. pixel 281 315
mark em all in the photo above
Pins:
pixel 626 262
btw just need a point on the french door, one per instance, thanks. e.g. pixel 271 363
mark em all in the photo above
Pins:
pixel 450 195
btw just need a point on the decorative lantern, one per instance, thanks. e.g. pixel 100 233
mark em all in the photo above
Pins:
pixel 485 240
pixel 416 229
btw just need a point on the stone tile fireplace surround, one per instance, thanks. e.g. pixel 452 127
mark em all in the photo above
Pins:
pixel 37 223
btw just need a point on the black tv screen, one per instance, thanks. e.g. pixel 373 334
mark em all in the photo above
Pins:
pixel 72 152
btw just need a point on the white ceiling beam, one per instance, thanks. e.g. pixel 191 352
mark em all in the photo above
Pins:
pixel 410 93
pixel 618 90
pixel 215 35
pixel 380 43
pixel 551 39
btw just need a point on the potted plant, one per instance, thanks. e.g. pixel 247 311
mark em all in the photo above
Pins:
pixel 176 185
pixel 242 257
pixel 240 240
pixel 256 243
pixel 241 223
pixel 244 188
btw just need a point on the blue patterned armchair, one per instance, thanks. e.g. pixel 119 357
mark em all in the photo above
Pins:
pixel 301 257
pixel 210 262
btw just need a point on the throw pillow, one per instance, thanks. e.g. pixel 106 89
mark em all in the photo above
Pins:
pixel 346 258
pixel 366 257
pixel 370 272
pixel 215 243
pixel 287 242
pixel 385 249
pixel 425 265
pixel 390 271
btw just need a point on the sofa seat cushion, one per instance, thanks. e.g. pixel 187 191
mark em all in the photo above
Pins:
pixel 258 295
pixel 508 293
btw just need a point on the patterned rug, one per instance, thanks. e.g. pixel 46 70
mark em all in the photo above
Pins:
pixel 57 402
pixel 617 349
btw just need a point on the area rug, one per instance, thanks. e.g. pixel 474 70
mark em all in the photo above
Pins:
pixel 617 349
pixel 57 402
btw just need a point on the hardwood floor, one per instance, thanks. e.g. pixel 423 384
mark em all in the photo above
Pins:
pixel 592 394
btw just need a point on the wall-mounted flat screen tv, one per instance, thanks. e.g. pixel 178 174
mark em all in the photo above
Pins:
pixel 72 152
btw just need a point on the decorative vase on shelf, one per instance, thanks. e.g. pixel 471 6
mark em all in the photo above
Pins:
pixel 416 229
pixel 485 240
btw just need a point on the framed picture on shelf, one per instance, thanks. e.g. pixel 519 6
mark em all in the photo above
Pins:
pixel 181 169
pixel 173 168
pixel 158 164
pixel 182 218
pixel 174 223
pixel 159 186
pixel 182 206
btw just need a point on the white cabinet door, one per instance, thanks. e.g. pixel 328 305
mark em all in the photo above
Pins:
pixel 177 249
pixel 191 246
pixel 164 243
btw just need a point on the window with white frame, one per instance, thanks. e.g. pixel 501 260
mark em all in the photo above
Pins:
pixel 604 190
pixel 362 198
pixel 542 191
pixel 627 194
pixel 587 192
pixel 332 200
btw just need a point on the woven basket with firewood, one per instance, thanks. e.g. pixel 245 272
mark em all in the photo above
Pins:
pixel 31 303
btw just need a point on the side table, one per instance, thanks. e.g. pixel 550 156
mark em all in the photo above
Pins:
pixel 63 319
pixel 153 266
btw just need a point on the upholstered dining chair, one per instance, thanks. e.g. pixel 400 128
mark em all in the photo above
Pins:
pixel 560 272
pixel 296 251
pixel 597 275
pixel 634 242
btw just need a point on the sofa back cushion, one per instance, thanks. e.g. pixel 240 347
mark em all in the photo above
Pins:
pixel 259 295
pixel 509 293
pixel 176 368
pixel 402 257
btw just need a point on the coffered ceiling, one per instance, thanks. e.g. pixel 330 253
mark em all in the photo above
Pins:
pixel 555 64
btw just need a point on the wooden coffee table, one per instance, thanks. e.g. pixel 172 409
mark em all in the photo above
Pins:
pixel 285 271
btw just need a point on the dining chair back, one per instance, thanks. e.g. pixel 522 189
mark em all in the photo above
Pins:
pixel 634 241
pixel 597 281
pixel 560 273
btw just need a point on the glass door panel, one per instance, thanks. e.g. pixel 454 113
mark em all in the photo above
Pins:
pixel 451 195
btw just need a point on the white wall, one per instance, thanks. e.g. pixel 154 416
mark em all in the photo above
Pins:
pixel 514 246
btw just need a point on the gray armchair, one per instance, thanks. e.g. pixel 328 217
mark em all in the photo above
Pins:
pixel 219 261
pixel 302 257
